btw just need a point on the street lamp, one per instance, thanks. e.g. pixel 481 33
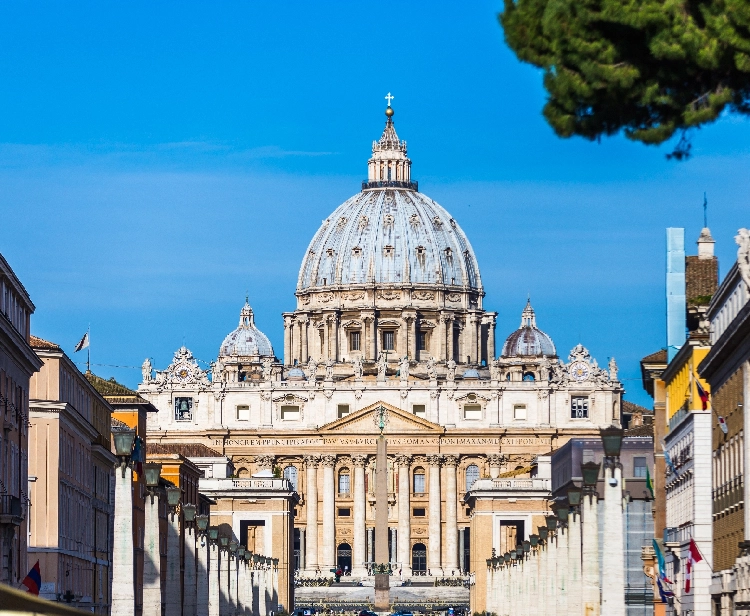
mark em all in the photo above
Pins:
pixel 574 496
pixel 124 439
pixel 173 498
pixel 224 541
pixel 213 533
pixel 590 472
pixel 562 509
pixel 241 552
pixel 534 540
pixel 232 546
pixel 152 473
pixel 611 441
pixel 188 510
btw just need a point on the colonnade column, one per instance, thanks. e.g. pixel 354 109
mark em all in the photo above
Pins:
pixel 224 580
pixel 123 601
pixel 151 558
pixel 214 592
pixel 233 579
pixel 203 574
pixel 373 339
pixel 451 515
pixel 590 556
pixel 613 562
pixel 189 581
pixel 360 507
pixel 326 336
pixel 411 324
pixel 335 322
pixel 328 462
pixel 404 513
pixel 434 552
pixel 173 586
pixel 574 563
pixel 491 339
pixel 311 498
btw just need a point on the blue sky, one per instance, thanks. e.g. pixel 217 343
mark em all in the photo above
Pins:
pixel 158 160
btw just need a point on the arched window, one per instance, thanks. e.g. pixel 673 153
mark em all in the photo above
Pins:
pixel 418 487
pixel 344 481
pixel 528 376
pixel 472 474
pixel 290 473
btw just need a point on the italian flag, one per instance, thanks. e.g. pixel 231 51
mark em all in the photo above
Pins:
pixel 694 556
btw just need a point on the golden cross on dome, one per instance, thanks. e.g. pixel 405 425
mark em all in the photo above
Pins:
pixel 389 98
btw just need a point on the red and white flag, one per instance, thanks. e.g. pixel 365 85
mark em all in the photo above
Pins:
pixel 694 556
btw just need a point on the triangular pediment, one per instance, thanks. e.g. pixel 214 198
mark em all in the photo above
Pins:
pixel 400 421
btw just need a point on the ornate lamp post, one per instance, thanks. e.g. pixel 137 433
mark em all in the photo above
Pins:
pixel 590 550
pixel 613 556
pixel 201 582
pixel 214 594
pixel 189 598
pixel 123 592
pixel 151 544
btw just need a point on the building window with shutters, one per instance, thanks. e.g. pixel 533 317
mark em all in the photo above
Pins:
pixel 389 343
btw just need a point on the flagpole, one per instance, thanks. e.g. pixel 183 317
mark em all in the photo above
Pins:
pixel 88 351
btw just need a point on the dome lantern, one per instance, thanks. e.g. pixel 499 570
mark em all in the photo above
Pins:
pixel 528 340
pixel 389 165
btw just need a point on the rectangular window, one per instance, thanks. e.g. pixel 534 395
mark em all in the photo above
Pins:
pixel 639 467
pixel 422 341
pixel 243 412
pixel 354 341
pixel 419 483
pixel 289 413
pixel 388 343
pixel 419 410
pixel 519 411
pixel 579 407
pixel 419 513
pixel 343 410
pixel 472 412
pixel 183 409
pixel 344 512
pixel 344 483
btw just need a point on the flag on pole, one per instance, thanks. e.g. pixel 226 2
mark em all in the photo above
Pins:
pixel 703 394
pixel 694 556
pixel 649 482
pixel 82 343
pixel 33 581
pixel 662 564
pixel 664 593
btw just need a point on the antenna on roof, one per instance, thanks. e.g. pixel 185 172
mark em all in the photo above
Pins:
pixel 705 211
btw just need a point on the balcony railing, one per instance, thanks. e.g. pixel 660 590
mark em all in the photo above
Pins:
pixel 390 184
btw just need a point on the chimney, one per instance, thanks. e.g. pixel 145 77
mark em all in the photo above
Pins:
pixel 705 244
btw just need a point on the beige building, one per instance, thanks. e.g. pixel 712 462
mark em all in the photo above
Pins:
pixel 70 528
pixel 389 313
pixel 17 363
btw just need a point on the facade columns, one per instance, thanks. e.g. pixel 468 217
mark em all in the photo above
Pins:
pixel 232 558
pixel 328 462
pixel 224 596
pixel 495 460
pixel 451 515
pixel 563 538
pixel 551 596
pixel 123 593
pixel 373 339
pixel 434 553
pixel 360 508
pixel 449 353
pixel 189 582
pixel 404 513
pixel 575 587
pixel 288 359
pixel 491 339
pixel 613 562
pixel 311 531
pixel 335 322
pixel 326 337
pixel 304 355
pixel 151 559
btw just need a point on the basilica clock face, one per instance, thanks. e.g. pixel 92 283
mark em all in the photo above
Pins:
pixel 183 373
pixel 579 371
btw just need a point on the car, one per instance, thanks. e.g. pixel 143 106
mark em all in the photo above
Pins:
pixel 367 613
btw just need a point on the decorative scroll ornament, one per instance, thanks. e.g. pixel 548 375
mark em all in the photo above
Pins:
pixel 453 297
pixel 423 295
pixel 388 294
pixel 325 297
pixel 183 370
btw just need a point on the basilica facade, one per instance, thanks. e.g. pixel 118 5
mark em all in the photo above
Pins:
pixel 389 313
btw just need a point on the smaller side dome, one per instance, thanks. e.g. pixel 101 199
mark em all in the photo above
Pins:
pixel 528 340
pixel 296 374
pixel 247 340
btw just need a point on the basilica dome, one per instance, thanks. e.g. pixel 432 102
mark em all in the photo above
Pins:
pixel 247 340
pixel 389 233
pixel 528 340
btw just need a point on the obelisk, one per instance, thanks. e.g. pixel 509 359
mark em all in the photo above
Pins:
pixel 382 560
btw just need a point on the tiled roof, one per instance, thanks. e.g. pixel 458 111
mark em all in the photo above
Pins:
pixel 646 429
pixel 189 450
pixel 112 390
pixel 659 357
pixel 41 343
pixel 120 425
pixel 632 407
pixel 701 280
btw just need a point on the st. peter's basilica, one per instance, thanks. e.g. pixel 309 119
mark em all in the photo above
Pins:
pixel 389 312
